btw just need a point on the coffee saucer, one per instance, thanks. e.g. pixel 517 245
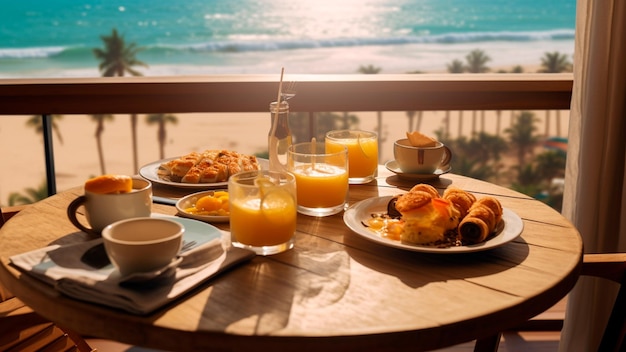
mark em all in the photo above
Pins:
pixel 392 166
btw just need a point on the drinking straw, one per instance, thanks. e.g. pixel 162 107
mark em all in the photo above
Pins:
pixel 313 140
pixel 272 138
pixel 280 84
pixel 280 93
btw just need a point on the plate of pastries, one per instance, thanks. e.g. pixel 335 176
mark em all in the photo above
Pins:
pixel 422 220
pixel 207 169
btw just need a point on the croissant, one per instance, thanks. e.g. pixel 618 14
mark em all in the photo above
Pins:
pixel 425 188
pixel 494 205
pixel 480 221
pixel 461 199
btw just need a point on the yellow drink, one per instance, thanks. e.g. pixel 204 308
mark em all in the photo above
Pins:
pixel 268 223
pixel 324 186
pixel 362 152
pixel 263 211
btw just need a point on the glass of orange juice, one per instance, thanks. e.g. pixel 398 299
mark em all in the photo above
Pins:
pixel 362 152
pixel 321 178
pixel 263 210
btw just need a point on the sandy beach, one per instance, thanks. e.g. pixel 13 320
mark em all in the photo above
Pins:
pixel 76 159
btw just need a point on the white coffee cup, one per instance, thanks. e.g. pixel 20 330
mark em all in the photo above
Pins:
pixel 420 160
pixel 142 244
pixel 104 209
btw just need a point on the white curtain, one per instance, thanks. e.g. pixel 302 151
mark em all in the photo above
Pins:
pixel 595 182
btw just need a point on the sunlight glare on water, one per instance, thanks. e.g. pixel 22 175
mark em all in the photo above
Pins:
pixel 329 19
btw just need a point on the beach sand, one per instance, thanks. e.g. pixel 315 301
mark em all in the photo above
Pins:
pixel 76 159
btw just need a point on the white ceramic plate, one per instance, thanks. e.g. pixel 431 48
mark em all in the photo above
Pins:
pixel 360 212
pixel 392 166
pixel 150 172
pixel 190 200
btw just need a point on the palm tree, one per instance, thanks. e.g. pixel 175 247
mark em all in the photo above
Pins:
pixel 99 119
pixel 411 117
pixel 326 121
pixel 116 59
pixel 551 164
pixel 35 121
pixel 161 120
pixel 456 66
pixel 477 61
pixel 522 135
pixel 528 180
pixel 32 195
pixel 498 121
pixel 371 69
pixel 555 62
pixel 467 160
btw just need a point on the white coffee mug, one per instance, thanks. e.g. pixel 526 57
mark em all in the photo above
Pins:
pixel 142 244
pixel 420 160
pixel 104 209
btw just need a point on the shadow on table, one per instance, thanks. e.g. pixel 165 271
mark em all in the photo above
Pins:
pixel 413 268
pixel 406 185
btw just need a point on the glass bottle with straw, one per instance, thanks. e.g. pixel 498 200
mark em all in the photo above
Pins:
pixel 279 137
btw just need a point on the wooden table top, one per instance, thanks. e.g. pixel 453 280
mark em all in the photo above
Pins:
pixel 335 289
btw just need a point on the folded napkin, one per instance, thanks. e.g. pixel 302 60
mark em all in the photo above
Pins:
pixel 65 268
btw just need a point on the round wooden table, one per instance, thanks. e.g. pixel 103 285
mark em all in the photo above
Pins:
pixel 335 289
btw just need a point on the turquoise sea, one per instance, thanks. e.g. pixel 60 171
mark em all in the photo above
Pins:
pixel 55 38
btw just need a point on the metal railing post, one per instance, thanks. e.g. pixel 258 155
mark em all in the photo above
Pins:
pixel 46 121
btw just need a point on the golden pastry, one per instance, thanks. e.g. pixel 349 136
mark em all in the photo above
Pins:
pixel 426 217
pixel 461 199
pixel 109 184
pixel 480 221
pixel 210 166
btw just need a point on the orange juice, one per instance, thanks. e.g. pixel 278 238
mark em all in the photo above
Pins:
pixel 362 152
pixel 324 186
pixel 263 211
pixel 257 223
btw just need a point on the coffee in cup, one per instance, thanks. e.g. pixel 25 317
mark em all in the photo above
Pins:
pixel 109 198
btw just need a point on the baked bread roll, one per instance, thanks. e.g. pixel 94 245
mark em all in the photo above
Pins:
pixel 176 169
pixel 106 184
pixel 461 199
pixel 426 188
pixel 412 201
pixel 210 166
pixel 494 205
pixel 480 221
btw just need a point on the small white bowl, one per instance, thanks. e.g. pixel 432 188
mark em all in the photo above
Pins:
pixel 142 244
pixel 189 201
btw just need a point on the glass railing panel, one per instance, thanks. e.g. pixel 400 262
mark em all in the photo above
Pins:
pixel 482 142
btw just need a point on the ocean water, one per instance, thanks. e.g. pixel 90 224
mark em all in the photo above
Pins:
pixel 56 38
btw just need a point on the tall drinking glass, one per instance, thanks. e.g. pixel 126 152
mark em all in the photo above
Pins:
pixel 321 178
pixel 362 152
pixel 262 210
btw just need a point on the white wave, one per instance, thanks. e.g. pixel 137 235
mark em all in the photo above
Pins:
pixel 264 44
pixel 30 53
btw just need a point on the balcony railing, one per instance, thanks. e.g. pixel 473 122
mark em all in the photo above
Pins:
pixel 252 93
